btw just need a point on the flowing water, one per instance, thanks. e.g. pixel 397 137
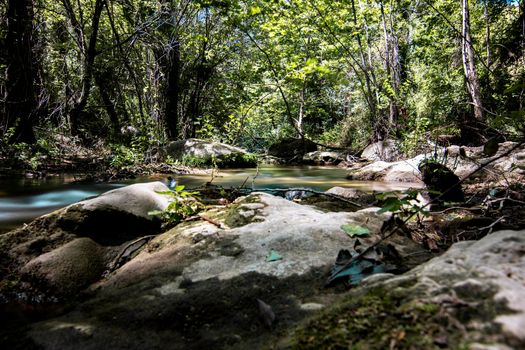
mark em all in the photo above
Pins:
pixel 22 200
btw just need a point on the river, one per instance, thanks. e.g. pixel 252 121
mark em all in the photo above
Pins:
pixel 23 199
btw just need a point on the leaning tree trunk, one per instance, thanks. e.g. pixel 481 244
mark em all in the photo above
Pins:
pixel 20 98
pixel 471 74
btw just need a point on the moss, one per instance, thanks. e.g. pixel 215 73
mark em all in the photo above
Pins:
pixel 374 318
pixel 235 218
pixel 237 215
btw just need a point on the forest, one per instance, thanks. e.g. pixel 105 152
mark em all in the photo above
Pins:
pixel 133 75
pixel 262 174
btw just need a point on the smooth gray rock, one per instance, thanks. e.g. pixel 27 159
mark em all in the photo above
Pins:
pixel 68 269
pixel 70 237
pixel 461 160
pixel 117 215
pixel 405 171
pixel 386 150
pixel 323 158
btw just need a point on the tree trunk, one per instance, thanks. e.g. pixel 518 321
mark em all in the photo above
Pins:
pixel 102 84
pixel 300 117
pixel 171 115
pixel 20 99
pixel 487 32
pixel 471 74
pixel 390 70
pixel 366 67
pixel 87 74
pixel 125 59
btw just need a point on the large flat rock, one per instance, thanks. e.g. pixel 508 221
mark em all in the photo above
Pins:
pixel 197 285
pixel 471 297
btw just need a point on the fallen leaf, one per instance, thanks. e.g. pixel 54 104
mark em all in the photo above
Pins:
pixel 355 230
pixel 273 256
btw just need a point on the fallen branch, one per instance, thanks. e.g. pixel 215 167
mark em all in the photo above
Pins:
pixel 211 221
pixel 455 208
pixel 205 218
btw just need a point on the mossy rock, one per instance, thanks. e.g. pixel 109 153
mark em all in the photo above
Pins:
pixel 441 181
pixel 244 211
pixel 232 160
pixel 289 148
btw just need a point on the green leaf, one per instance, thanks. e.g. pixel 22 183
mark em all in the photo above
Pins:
pixel 355 230
pixel 273 256
pixel 179 188
pixel 391 204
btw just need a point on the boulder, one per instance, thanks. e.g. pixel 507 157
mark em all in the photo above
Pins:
pixel 323 158
pixel 291 149
pixel 441 182
pixel 203 152
pixel 464 160
pixel 346 192
pixel 116 216
pixel 201 284
pixel 386 150
pixel 259 223
pixel 110 220
pixel 405 171
pixel 68 269
pixel 471 297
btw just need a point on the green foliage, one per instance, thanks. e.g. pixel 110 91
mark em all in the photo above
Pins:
pixel 248 72
pixel 232 160
pixel 182 205
pixel 405 204
pixel 122 157
pixel 22 155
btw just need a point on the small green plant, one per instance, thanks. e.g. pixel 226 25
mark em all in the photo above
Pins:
pixel 169 160
pixel 195 161
pixel 183 204
pixel 405 205
pixel 123 156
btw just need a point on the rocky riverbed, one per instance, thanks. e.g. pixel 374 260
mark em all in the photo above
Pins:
pixel 102 273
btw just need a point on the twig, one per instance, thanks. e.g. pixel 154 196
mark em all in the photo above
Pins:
pixel 205 218
pixel 211 221
pixel 481 229
pixel 244 182
pixel 114 264
pixel 212 177
pixel 455 208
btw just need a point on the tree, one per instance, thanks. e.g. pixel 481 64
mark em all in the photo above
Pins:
pixel 89 53
pixel 469 63
pixel 21 105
